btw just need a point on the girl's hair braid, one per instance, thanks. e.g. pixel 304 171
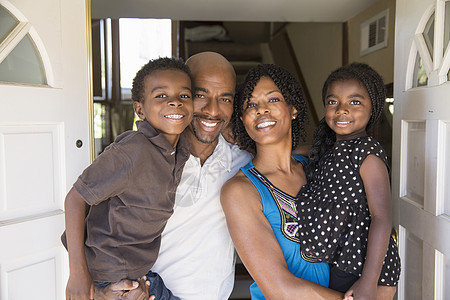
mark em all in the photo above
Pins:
pixel 291 91
pixel 324 137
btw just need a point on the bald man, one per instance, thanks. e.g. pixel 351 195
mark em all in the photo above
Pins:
pixel 196 258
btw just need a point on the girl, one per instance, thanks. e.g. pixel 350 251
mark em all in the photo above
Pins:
pixel 269 117
pixel 344 211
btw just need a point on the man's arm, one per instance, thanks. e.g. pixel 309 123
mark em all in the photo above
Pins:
pixel 80 284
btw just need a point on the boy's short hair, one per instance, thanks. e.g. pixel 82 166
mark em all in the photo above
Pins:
pixel 162 63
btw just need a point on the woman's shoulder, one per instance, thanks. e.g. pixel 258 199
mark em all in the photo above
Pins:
pixel 237 188
pixel 238 181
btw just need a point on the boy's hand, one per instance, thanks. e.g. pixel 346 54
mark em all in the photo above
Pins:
pixel 124 289
pixel 80 287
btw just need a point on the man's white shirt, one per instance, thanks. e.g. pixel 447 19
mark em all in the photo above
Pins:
pixel 196 258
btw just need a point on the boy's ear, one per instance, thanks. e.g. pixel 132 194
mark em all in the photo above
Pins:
pixel 138 110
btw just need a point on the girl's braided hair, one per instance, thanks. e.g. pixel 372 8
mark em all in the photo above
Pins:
pixel 324 137
pixel 291 91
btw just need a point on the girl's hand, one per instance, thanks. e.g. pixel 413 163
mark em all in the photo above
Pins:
pixel 80 286
pixel 362 290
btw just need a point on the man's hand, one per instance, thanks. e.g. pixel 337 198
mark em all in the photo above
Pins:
pixel 124 289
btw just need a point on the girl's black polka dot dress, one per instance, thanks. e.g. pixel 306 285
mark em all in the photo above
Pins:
pixel 333 214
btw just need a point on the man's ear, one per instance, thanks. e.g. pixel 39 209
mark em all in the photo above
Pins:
pixel 137 106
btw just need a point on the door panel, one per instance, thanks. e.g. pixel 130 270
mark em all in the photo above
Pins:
pixel 421 168
pixel 41 128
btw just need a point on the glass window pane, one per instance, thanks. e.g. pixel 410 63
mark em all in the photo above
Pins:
pixel 420 75
pixel 98 60
pixel 23 64
pixel 428 35
pixel 140 41
pixel 7 23
pixel 99 127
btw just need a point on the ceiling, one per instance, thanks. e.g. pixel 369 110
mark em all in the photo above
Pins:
pixel 232 10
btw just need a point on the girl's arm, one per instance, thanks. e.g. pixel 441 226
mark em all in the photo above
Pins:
pixel 258 247
pixel 375 177
pixel 80 284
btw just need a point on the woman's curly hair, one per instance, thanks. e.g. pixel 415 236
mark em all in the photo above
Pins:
pixel 324 137
pixel 162 63
pixel 290 89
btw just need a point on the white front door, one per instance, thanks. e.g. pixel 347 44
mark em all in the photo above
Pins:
pixel 44 139
pixel 421 160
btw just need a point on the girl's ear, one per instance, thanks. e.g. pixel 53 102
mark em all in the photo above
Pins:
pixel 137 106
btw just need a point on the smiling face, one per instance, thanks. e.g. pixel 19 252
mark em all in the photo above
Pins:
pixel 266 115
pixel 347 108
pixel 167 103
pixel 213 94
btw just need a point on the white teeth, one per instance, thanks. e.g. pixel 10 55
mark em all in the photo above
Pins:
pixel 265 124
pixel 209 124
pixel 343 123
pixel 177 117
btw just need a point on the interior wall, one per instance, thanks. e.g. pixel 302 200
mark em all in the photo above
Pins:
pixel 318 48
pixel 381 60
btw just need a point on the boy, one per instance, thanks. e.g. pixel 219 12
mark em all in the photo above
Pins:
pixel 131 186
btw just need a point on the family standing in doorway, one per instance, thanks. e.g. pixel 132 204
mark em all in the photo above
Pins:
pixel 298 224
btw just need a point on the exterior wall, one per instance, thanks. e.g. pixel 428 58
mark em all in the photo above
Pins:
pixel 381 60
pixel 318 49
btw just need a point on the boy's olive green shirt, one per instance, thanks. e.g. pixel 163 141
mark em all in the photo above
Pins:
pixel 131 190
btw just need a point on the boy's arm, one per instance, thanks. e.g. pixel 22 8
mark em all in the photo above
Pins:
pixel 80 284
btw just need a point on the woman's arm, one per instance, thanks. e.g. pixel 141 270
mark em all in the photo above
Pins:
pixel 258 247
pixel 80 284
pixel 375 177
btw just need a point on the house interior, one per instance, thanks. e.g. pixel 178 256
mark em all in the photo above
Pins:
pixel 310 40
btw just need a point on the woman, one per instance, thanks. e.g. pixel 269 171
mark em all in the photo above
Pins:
pixel 259 201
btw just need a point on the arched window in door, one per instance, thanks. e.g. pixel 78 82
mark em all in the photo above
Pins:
pixel 430 52
pixel 22 57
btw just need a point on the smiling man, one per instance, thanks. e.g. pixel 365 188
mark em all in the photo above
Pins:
pixel 213 93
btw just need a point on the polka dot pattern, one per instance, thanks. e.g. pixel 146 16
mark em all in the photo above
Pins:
pixel 333 214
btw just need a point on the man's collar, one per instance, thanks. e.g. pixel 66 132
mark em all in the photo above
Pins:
pixel 222 154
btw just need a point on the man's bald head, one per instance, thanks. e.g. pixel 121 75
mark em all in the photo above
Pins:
pixel 212 61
